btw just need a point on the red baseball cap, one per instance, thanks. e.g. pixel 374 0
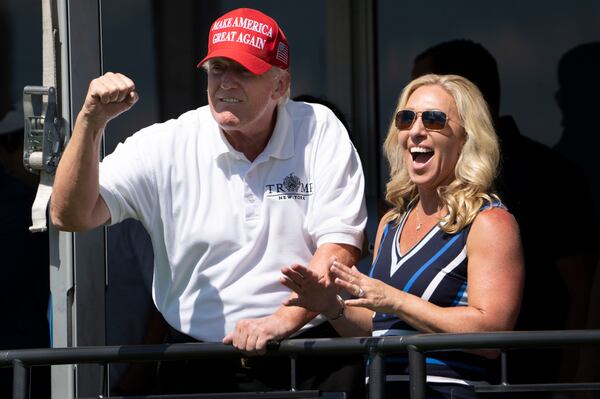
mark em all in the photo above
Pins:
pixel 249 38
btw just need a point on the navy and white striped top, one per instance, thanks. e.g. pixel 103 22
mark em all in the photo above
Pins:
pixel 435 269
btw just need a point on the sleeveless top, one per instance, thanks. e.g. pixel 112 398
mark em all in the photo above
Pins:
pixel 435 269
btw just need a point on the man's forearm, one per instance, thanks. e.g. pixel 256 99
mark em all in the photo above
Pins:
pixel 344 253
pixel 294 318
pixel 76 192
pixel 76 202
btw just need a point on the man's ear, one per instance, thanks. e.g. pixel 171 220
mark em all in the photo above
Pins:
pixel 282 85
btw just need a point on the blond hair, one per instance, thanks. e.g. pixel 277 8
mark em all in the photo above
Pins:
pixel 477 165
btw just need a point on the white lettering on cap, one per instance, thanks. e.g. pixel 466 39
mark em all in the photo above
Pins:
pixel 252 40
pixel 224 37
pixel 222 24
pixel 253 25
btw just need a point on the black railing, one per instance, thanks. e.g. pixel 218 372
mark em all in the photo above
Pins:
pixel 375 347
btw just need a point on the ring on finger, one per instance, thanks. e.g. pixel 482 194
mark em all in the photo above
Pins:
pixel 360 293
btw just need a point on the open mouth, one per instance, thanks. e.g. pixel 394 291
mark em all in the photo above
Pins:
pixel 230 100
pixel 421 155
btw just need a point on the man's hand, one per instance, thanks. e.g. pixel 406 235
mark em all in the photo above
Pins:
pixel 76 204
pixel 251 335
pixel 108 96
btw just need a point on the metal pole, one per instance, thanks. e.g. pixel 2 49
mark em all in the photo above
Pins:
pixel 417 374
pixel 503 368
pixel 293 373
pixel 20 380
pixel 376 375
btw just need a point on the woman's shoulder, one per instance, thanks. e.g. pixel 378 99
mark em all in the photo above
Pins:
pixel 495 233
pixel 494 218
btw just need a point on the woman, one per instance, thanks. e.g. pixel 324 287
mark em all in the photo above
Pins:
pixel 447 258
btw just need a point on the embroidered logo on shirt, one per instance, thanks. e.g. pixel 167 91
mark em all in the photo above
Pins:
pixel 290 188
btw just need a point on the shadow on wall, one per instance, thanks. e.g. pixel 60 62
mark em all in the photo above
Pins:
pixel 578 100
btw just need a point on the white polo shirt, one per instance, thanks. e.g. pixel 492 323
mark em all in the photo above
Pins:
pixel 222 227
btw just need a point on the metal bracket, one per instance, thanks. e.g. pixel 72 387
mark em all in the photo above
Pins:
pixel 45 131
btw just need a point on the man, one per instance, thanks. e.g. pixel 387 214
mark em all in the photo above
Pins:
pixel 229 193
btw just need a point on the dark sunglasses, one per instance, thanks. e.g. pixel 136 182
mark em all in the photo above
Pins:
pixel 432 120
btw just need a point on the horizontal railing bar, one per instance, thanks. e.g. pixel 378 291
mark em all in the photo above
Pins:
pixel 501 340
pixel 445 341
pixel 99 354
pixel 318 346
pixel 234 395
pixel 555 387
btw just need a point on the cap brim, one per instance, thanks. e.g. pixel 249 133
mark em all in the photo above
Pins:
pixel 252 63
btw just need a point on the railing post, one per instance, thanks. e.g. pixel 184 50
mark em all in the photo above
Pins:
pixel 503 368
pixel 376 374
pixel 293 382
pixel 417 374
pixel 20 380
